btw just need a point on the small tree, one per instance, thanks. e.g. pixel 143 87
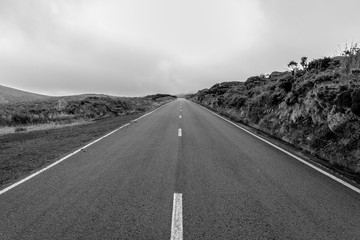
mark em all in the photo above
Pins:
pixel 293 66
pixel 304 63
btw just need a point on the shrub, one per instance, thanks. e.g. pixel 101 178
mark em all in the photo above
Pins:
pixel 319 64
pixel 303 62
pixel 276 98
pixel 355 108
pixel 238 102
pixel 344 99
pixel 20 129
pixel 324 77
pixel 292 65
pixel 286 83
pixel 356 96
pixel 20 118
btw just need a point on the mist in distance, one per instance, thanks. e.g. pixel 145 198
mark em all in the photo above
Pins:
pixel 140 47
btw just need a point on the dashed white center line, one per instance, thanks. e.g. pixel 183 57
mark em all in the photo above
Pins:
pixel 177 222
pixel 180 116
pixel 179 132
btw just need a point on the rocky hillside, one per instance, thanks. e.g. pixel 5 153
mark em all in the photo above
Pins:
pixel 72 108
pixel 317 108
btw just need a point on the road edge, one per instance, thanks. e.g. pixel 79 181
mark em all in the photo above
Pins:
pixel 306 162
pixel 11 186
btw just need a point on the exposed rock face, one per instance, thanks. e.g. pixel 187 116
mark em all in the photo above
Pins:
pixel 317 110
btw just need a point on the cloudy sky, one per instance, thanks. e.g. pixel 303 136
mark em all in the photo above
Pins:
pixel 138 47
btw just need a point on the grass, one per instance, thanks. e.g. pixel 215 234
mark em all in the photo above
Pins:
pixel 75 108
pixel 8 94
pixel 352 57
pixel 22 153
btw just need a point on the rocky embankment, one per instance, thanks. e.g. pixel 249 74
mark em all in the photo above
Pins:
pixel 317 109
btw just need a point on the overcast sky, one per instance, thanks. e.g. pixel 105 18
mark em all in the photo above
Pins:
pixel 139 47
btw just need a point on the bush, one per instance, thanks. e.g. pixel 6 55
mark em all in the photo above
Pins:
pixel 20 118
pixel 344 99
pixel 286 83
pixel 319 64
pixel 276 98
pixel 355 108
pixel 238 102
pixel 20 129
pixel 324 77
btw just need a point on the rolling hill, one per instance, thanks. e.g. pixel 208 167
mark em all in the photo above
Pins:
pixel 11 95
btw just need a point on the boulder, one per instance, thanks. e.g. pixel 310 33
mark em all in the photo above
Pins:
pixel 336 120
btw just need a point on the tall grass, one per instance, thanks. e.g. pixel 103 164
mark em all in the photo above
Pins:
pixel 351 57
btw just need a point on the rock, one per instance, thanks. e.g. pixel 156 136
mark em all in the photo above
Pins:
pixel 336 120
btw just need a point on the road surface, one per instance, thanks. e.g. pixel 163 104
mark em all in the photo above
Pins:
pixel 182 173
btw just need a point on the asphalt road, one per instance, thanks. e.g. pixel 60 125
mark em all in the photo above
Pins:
pixel 233 186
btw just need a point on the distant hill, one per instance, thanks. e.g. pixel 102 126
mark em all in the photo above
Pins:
pixel 183 95
pixel 154 97
pixel 10 95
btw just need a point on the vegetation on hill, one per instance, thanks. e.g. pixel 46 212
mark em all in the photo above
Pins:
pixel 72 108
pixel 315 107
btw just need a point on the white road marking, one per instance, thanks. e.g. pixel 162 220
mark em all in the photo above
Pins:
pixel 289 153
pixel 177 222
pixel 179 132
pixel 71 154
pixel 180 116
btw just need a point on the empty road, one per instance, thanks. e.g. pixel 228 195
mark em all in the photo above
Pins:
pixel 181 173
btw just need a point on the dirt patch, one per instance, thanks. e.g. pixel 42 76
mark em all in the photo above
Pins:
pixel 46 126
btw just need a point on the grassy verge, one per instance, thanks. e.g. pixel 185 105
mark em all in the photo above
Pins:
pixel 22 153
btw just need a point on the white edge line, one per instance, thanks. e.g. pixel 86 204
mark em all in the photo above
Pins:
pixel 71 154
pixel 289 153
pixel 177 222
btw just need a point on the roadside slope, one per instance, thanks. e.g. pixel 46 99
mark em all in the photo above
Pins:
pixel 317 110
